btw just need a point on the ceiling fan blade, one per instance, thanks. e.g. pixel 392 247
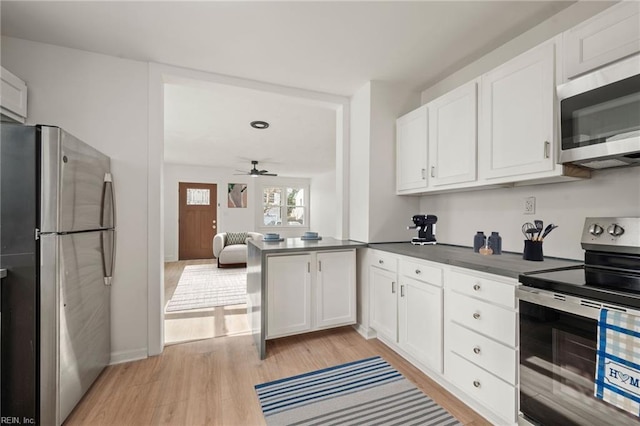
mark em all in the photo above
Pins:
pixel 268 174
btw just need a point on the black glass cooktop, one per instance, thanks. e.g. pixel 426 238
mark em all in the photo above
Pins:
pixel 599 285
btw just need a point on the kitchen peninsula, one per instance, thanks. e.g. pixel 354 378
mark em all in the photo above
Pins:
pixel 296 286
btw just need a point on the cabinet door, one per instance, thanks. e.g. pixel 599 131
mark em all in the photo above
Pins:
pixel 420 322
pixel 384 303
pixel 605 38
pixel 336 289
pixel 13 96
pixel 288 294
pixel 516 128
pixel 453 136
pixel 411 150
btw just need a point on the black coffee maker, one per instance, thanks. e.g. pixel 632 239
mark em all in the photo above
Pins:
pixel 426 226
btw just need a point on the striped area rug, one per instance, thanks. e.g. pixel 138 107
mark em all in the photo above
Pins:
pixel 365 392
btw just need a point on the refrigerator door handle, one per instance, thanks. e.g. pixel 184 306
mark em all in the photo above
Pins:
pixel 107 191
pixel 108 244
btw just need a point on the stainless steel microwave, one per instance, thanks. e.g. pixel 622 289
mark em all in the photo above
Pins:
pixel 600 117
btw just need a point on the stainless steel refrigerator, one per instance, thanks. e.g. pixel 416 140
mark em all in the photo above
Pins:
pixel 57 241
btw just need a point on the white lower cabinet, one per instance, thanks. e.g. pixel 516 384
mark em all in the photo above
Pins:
pixel 490 391
pixel 457 325
pixel 420 322
pixel 481 340
pixel 335 289
pixel 288 294
pixel 406 307
pixel 310 291
pixel 383 285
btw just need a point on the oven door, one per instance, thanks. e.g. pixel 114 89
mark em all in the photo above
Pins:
pixel 558 341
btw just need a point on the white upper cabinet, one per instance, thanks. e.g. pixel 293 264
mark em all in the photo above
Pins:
pixel 517 115
pixel 411 150
pixel 605 38
pixel 453 136
pixel 13 97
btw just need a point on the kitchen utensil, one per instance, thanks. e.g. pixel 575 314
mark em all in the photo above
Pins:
pixel 526 227
pixel 547 230
pixel 540 226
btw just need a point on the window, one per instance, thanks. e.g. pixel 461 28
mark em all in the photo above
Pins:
pixel 197 197
pixel 284 206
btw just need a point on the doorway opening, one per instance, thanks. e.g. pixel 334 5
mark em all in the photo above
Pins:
pixel 203 301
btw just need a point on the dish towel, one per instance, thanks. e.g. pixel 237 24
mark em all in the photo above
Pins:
pixel 618 360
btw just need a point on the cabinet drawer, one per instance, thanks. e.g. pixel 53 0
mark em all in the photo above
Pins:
pixel 484 288
pixel 384 260
pixel 421 271
pixel 496 358
pixel 490 320
pixel 492 392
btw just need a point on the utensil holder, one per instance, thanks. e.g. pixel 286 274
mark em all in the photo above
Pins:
pixel 533 251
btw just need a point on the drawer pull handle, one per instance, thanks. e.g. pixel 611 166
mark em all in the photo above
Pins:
pixel 476 287
pixel 476 315
pixel 418 271
pixel 393 286
pixel 476 350
pixel 402 291
pixel 476 383
pixel 381 261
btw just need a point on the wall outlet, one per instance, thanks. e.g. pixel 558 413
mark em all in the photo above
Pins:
pixel 530 205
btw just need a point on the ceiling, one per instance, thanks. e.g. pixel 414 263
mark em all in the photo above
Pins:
pixel 329 47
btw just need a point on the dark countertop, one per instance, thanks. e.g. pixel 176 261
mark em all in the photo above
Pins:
pixel 506 264
pixel 296 244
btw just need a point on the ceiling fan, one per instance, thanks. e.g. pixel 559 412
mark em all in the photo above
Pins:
pixel 254 172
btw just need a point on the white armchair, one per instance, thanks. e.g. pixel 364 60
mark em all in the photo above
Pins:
pixel 231 248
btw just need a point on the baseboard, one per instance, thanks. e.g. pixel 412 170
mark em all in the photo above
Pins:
pixel 128 356
pixel 365 332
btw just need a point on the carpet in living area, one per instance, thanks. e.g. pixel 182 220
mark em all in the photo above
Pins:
pixel 365 392
pixel 207 286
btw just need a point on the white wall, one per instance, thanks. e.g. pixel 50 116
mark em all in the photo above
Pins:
pixel 360 130
pixel 322 213
pixel 608 193
pixel 376 213
pixel 389 214
pixel 564 20
pixel 229 219
pixel 103 101
pixel 323 205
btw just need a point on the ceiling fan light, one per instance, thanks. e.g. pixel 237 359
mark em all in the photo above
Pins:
pixel 259 124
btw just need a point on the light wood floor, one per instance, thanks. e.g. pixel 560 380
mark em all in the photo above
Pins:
pixel 211 382
pixel 197 324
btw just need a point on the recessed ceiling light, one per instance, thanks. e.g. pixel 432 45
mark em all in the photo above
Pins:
pixel 259 124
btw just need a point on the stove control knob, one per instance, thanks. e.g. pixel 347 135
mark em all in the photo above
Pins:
pixel 615 230
pixel 596 230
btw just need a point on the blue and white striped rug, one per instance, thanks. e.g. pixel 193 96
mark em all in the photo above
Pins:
pixel 366 392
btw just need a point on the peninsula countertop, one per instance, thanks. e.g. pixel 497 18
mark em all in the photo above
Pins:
pixel 506 264
pixel 297 244
pixel 257 255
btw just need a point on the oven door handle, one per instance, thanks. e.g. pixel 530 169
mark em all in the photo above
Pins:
pixel 564 303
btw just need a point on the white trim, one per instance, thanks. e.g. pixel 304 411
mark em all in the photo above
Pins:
pixel 159 74
pixel 128 356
